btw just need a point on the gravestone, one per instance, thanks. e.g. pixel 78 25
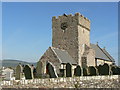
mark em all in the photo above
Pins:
pixel 62 73
pixel 93 71
pixel 68 70
pixel 85 72
pixel 118 69
pixel 77 71
pixel 28 71
pixel 104 69
pixel 34 72
pixel 99 69
pixel 114 70
pixel 52 71
pixel 39 69
pixel 19 72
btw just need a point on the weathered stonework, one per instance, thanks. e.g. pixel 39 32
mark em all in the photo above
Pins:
pixel 70 82
pixel 65 39
pixel 19 72
pixel 71 39
pixel 51 57
pixel 91 58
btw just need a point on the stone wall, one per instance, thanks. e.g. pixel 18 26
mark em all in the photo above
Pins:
pixel 75 34
pixel 66 39
pixel 91 58
pixel 51 57
pixel 70 82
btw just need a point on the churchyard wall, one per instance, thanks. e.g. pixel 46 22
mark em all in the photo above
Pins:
pixel 107 81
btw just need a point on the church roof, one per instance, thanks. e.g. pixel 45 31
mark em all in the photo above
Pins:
pixel 63 56
pixel 110 57
pixel 102 53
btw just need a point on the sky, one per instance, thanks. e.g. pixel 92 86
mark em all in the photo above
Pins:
pixel 60 0
pixel 27 27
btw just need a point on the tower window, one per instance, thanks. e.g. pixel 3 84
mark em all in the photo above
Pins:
pixel 64 25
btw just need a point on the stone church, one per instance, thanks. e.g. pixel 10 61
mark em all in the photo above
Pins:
pixel 71 44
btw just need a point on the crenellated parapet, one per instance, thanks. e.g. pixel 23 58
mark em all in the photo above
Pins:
pixel 79 18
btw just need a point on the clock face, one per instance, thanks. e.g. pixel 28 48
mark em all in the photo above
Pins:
pixel 64 25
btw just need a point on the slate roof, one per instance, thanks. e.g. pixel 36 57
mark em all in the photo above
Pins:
pixel 102 53
pixel 63 56
pixel 110 57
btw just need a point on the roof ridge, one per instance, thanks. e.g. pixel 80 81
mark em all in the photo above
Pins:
pixel 52 48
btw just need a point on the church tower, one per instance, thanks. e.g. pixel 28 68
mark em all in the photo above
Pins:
pixel 71 33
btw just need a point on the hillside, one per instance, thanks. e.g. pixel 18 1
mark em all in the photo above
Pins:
pixel 14 63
